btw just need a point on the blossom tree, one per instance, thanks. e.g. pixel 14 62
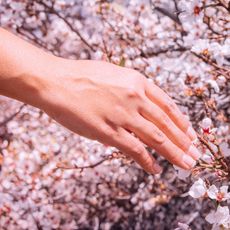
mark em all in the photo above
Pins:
pixel 53 179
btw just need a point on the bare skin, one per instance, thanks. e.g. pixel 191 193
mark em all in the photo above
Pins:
pixel 100 101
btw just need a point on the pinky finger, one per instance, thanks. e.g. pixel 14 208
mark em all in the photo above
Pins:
pixel 134 148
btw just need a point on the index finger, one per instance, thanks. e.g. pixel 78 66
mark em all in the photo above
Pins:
pixel 160 98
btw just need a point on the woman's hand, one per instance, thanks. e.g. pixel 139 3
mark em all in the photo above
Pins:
pixel 108 103
pixel 100 101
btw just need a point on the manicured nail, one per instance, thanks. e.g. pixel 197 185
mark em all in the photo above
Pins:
pixel 194 152
pixel 191 133
pixel 156 169
pixel 188 161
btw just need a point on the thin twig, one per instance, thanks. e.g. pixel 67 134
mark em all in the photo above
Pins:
pixel 59 166
pixel 12 116
pixel 53 11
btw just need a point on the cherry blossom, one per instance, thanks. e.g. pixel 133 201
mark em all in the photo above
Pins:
pixel 214 85
pixel 201 46
pixel 188 57
pixel 206 125
pixel 182 226
pixel 198 189
pixel 182 173
pixel 220 217
pixel 191 10
pixel 219 52
pixel 221 194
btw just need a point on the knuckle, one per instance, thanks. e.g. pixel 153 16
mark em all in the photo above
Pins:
pixel 159 137
pixel 119 111
pixel 135 124
pixel 133 92
pixel 175 159
pixel 138 150
pixel 165 121
pixel 170 107
pixel 127 122
pixel 107 131
pixel 184 144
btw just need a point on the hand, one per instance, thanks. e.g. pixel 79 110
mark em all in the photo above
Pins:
pixel 108 103
pixel 114 105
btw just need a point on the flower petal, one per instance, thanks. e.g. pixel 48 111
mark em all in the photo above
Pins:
pixel 212 192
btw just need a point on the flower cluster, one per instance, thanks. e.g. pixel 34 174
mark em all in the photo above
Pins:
pixel 52 179
pixel 213 167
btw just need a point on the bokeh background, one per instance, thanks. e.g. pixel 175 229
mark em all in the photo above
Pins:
pixel 106 190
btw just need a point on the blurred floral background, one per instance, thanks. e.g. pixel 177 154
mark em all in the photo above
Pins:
pixel 51 178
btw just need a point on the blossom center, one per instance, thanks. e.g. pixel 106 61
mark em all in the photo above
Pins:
pixel 196 10
pixel 205 52
pixel 206 130
pixel 220 196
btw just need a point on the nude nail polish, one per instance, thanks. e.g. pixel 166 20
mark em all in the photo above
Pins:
pixel 156 169
pixel 194 152
pixel 188 161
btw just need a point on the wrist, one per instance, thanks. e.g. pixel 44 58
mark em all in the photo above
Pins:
pixel 30 84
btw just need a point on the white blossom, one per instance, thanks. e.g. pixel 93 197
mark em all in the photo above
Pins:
pixel 182 173
pixel 219 52
pixel 221 194
pixel 214 85
pixel 198 189
pixel 182 226
pixel 219 217
pixel 206 123
pixel 191 10
pixel 200 46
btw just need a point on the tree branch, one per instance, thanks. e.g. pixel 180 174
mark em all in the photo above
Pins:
pixel 12 116
pixel 53 11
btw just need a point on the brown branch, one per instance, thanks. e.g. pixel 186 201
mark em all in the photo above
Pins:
pixel 165 12
pixel 224 6
pixel 222 70
pixel 59 166
pixel 220 158
pixel 162 51
pixel 53 11
pixel 12 116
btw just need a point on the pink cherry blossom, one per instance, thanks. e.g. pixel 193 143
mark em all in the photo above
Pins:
pixel 219 217
pixel 191 10
pixel 200 46
pixel 214 85
pixel 198 189
pixel 182 173
pixel 182 226
pixel 206 125
pixel 221 194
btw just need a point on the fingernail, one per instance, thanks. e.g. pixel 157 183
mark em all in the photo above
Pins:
pixel 188 161
pixel 194 152
pixel 156 169
pixel 191 133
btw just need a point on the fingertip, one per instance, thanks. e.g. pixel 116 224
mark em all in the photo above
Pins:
pixel 188 162
pixel 156 169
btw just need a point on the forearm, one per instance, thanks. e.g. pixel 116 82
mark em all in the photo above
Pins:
pixel 23 68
